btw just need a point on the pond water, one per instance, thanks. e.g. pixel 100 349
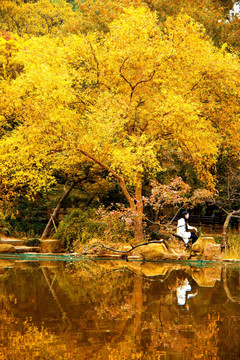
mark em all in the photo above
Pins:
pixel 118 310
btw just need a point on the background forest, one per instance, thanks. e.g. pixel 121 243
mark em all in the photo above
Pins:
pixel 122 112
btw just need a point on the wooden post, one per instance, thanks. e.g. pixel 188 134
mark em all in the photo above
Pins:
pixel 53 216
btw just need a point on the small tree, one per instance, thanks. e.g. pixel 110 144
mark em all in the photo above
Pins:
pixel 177 194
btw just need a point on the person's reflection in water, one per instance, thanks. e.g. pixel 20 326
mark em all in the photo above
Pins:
pixel 183 293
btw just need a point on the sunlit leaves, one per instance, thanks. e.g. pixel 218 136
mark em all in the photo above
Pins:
pixel 37 17
pixel 137 99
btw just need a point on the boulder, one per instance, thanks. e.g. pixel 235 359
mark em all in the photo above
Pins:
pixel 7 249
pixel 207 277
pixel 201 243
pixel 51 246
pixel 158 269
pixel 154 269
pixel 212 252
pixel 207 249
pixel 155 252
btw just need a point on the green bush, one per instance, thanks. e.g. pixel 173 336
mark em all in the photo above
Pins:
pixel 5 227
pixel 21 227
pixel 33 242
pixel 82 226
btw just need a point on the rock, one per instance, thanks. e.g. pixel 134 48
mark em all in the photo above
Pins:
pixel 134 257
pixel 206 249
pixel 212 252
pixel 7 249
pixel 207 277
pixel 155 252
pixel 154 269
pixel 27 249
pixel 123 247
pixel 51 246
pixel 201 244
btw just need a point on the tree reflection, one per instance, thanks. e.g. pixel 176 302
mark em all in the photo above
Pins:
pixel 121 310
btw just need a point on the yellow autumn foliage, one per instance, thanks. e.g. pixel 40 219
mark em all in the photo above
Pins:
pixel 130 100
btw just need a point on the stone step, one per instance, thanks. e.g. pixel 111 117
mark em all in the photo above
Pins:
pixel 11 241
pixel 27 249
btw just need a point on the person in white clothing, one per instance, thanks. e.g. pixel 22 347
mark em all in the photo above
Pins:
pixel 183 227
pixel 184 292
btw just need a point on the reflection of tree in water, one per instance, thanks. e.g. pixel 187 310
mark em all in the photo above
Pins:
pixel 171 330
pixel 229 323
pixel 50 282
pixel 24 340
pixel 122 310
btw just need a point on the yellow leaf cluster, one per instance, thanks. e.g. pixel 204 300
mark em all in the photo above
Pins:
pixel 131 98
pixel 38 18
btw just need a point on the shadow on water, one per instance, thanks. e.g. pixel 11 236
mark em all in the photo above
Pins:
pixel 118 310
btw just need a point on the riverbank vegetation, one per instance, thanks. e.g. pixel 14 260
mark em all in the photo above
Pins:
pixel 121 111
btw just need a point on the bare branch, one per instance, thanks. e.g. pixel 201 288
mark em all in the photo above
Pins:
pixel 114 174
pixel 196 84
pixel 133 87
pixel 121 74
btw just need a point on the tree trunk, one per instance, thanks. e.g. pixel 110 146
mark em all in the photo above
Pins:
pixel 135 206
pixel 138 220
pixel 53 216
pixel 225 226
pixel 224 233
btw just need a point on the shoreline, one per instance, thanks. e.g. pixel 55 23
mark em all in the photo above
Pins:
pixel 79 257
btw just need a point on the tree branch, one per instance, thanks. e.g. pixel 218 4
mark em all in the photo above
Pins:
pixel 96 60
pixel 120 71
pixel 114 174
pixel 133 87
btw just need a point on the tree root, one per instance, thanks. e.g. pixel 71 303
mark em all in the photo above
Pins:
pixel 85 252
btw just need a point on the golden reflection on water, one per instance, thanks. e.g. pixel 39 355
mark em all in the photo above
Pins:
pixel 118 310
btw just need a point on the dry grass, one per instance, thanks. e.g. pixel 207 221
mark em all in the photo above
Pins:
pixel 234 241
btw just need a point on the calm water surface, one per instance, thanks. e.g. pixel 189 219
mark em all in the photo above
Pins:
pixel 118 310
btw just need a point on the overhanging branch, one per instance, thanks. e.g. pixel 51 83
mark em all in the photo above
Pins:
pixel 114 174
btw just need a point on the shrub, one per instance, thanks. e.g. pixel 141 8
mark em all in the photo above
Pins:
pixel 82 226
pixel 33 242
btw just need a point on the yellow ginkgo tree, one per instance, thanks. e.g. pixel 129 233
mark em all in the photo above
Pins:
pixel 156 94
pixel 131 100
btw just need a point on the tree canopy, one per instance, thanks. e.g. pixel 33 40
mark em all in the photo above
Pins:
pixel 139 100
